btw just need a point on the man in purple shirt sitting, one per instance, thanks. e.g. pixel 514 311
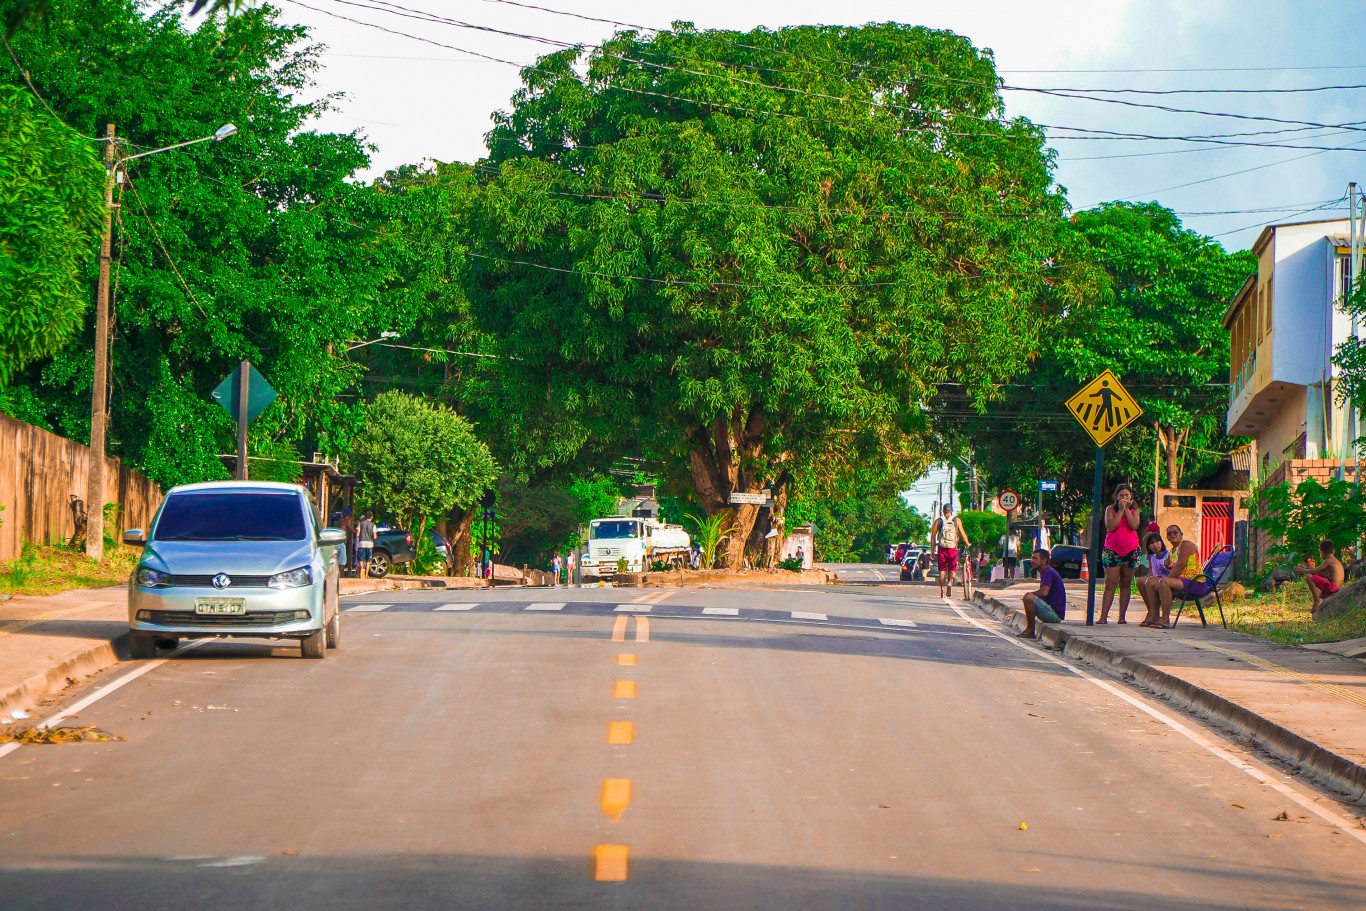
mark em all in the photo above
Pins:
pixel 1049 603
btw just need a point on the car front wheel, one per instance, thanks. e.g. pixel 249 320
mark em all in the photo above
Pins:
pixel 334 630
pixel 142 646
pixel 315 644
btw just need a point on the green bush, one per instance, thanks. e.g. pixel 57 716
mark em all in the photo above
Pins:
pixel 983 528
pixel 1299 519
pixel 791 564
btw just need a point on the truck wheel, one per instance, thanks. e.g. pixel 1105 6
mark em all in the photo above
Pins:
pixel 315 644
pixel 142 646
pixel 379 564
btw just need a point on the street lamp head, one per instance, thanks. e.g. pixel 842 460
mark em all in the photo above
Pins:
pixel 224 132
pixel 388 335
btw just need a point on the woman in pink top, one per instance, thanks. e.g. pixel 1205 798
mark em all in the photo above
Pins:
pixel 1120 556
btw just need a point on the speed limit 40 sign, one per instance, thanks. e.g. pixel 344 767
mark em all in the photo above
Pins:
pixel 1008 500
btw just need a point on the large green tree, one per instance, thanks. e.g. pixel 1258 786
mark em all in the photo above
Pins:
pixel 260 248
pixel 417 459
pixel 51 185
pixel 745 253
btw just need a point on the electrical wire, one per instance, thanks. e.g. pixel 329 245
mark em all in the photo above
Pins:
pixel 39 95
pixel 164 252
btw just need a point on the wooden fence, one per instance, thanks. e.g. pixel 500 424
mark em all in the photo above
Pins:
pixel 40 472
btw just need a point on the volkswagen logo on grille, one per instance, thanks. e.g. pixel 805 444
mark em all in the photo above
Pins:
pixel 221 580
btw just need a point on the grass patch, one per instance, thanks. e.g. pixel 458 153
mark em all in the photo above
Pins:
pixel 1283 616
pixel 36 735
pixel 49 570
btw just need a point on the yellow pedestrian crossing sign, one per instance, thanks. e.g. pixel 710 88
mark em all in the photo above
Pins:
pixel 1104 408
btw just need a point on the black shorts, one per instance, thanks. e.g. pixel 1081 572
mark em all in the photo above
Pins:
pixel 1009 562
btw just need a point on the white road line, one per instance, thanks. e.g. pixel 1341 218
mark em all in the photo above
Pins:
pixel 886 622
pixel 367 608
pixel 79 705
pixel 808 615
pixel 722 611
pixel 633 609
pixel 1234 759
pixel 546 606
pixel 455 607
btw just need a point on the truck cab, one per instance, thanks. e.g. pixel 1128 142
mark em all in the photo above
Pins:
pixel 610 540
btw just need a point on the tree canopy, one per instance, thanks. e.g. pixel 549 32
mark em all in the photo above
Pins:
pixel 51 186
pixel 745 255
pixel 416 459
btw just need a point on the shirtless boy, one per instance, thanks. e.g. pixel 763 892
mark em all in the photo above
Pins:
pixel 1326 576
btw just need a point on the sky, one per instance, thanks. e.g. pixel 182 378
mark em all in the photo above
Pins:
pixel 415 99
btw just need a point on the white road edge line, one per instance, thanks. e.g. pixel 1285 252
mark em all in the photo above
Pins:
pixel 546 606
pixel 633 609
pixel 455 607
pixel 1238 762
pixel 807 615
pixel 97 696
pixel 367 608
pixel 722 611
pixel 890 622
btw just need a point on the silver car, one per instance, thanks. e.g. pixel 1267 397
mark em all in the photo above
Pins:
pixel 235 558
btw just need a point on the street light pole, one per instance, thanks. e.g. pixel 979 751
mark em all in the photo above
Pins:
pixel 99 405
pixel 94 488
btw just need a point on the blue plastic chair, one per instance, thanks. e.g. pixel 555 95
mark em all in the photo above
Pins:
pixel 1216 569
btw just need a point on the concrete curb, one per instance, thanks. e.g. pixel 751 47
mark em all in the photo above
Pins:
pixel 1323 765
pixel 92 660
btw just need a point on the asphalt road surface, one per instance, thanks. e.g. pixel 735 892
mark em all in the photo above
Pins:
pixel 859 747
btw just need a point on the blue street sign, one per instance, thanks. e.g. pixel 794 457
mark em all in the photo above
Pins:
pixel 1048 485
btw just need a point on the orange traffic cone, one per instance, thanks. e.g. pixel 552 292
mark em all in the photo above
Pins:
pixel 1085 567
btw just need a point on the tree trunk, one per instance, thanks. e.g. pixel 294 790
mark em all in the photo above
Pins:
pixel 1172 440
pixel 724 460
pixel 461 541
pixel 763 550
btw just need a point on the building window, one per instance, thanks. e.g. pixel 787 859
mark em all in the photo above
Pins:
pixel 1270 301
pixel 1170 501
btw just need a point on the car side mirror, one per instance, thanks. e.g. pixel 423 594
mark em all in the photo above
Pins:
pixel 135 537
pixel 331 536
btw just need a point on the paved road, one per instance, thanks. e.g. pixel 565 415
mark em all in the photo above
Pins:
pixel 858 748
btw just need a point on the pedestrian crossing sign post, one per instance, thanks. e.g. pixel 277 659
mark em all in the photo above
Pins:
pixel 1104 408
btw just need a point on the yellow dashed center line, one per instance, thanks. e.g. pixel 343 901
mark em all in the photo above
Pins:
pixel 626 660
pixel 620 733
pixel 610 866
pixel 624 689
pixel 616 797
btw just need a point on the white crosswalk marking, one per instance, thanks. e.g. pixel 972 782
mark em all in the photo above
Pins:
pixel 633 608
pixel 808 615
pixel 455 607
pixel 546 606
pixel 885 622
pixel 367 608
pixel 722 611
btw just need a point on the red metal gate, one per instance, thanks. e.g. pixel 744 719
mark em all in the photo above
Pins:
pixel 1216 527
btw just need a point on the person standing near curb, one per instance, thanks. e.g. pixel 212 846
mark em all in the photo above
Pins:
pixel 1049 603
pixel 945 536
pixel 365 549
pixel 555 566
pixel 1120 556
pixel 1010 552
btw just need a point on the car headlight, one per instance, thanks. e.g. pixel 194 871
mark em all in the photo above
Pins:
pixel 292 578
pixel 151 578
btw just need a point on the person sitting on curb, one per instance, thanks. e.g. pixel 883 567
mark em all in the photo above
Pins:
pixel 1325 577
pixel 1049 603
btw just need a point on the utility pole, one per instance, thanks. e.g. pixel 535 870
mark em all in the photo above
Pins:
pixel 94 489
pixel 1357 222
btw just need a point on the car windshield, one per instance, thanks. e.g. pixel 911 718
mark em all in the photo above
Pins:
pixel 217 515
pixel 622 529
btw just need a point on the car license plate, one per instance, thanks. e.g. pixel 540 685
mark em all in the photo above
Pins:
pixel 220 605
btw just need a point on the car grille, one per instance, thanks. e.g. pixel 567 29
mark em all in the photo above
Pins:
pixel 186 581
pixel 190 618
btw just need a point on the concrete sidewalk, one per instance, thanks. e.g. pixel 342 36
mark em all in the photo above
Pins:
pixel 1306 707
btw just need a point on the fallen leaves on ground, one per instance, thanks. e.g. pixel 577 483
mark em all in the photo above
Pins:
pixel 37 735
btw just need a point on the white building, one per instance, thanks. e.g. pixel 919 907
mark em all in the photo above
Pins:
pixel 1284 325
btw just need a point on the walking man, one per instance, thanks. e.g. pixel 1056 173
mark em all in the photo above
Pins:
pixel 945 537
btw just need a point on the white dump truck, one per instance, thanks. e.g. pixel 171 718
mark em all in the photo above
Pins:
pixel 640 542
